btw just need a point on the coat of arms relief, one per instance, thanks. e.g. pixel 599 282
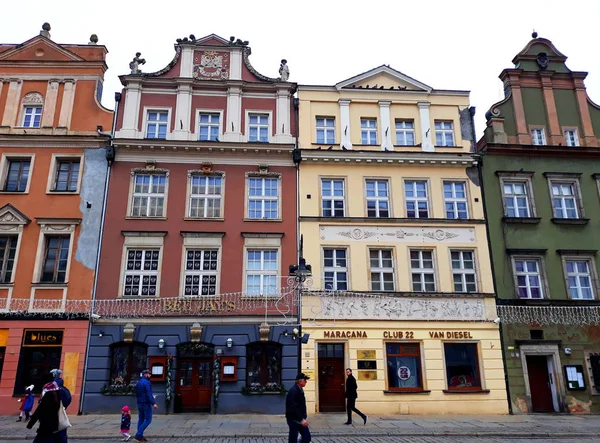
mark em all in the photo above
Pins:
pixel 211 65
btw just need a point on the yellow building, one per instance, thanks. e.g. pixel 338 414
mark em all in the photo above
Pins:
pixel 393 227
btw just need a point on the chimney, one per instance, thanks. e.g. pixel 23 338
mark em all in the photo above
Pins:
pixel 45 30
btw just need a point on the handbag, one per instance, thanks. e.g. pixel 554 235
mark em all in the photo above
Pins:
pixel 63 420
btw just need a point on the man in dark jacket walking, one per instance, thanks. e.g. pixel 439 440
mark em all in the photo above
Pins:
pixel 295 410
pixel 145 403
pixel 351 397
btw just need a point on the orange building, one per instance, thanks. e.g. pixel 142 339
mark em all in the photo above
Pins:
pixel 53 170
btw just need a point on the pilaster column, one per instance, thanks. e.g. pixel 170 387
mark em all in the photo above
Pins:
pixel 50 103
pixel 556 136
pixel 186 69
pixel 183 112
pixel 282 126
pixel 233 126
pixel 131 111
pixel 66 109
pixel 426 144
pixel 385 126
pixel 588 137
pixel 235 64
pixel 346 139
pixel 11 107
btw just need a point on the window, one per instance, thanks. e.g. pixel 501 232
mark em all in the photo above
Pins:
pixel 538 136
pixel 516 199
pixel 405 132
pixel 67 175
pixel 35 362
pixel 455 198
pixel 258 128
pixel 422 270
pixel 378 204
pixel 205 196
pixel 32 116
pixel 8 251
pixel 2 354
pixel 209 127
pixel 148 195
pixel 463 271
pixel 382 269
pixel 417 204
pixel 17 175
pixel 141 272
pixel 593 365
pixel 571 137
pixel 201 272
pixel 331 350
pixel 263 365
pixel 404 366
pixel 368 131
pixel 528 277
pixel 128 360
pixel 444 133
pixel 462 367
pixel 263 198
pixel 579 278
pixel 56 259
pixel 156 124
pixel 564 199
pixel 261 272
pixel 332 197
pixel 326 130
pixel 335 269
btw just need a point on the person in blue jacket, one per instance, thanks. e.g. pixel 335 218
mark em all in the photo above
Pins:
pixel 27 404
pixel 145 403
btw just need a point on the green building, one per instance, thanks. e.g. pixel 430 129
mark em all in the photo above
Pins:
pixel 540 171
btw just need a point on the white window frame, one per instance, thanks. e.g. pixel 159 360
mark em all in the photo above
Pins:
pixel 201 241
pixel 52 228
pixel 448 137
pixel 336 269
pixel 380 269
pixel 4 165
pixel 462 271
pixel 31 100
pixel 34 109
pixel 538 135
pixel 526 180
pixel 370 130
pixel 16 237
pixel 565 180
pixel 592 274
pixel 571 137
pixel 188 209
pixel 416 200
pixel 135 240
pixel 332 198
pixel 454 201
pixel 327 130
pixel 377 198
pixel 133 194
pixel 12 226
pixel 218 112
pixel 403 130
pixel 145 121
pixel 541 276
pixel 262 242
pixel 263 198
pixel 52 176
pixel 422 271
pixel 269 126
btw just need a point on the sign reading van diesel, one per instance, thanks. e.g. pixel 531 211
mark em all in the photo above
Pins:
pixel 36 337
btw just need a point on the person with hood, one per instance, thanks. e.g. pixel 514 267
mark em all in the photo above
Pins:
pixel 26 403
pixel 47 414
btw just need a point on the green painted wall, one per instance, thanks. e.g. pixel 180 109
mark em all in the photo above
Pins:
pixel 535 111
pixel 567 108
pixel 507 111
pixel 595 114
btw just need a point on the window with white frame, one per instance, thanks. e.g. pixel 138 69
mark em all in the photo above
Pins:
pixel 67 175
pixel 141 272
pixel 261 272
pixel 32 116
pixel 56 259
pixel 571 137
pixel 332 197
pixel 517 202
pixel 368 131
pixel 8 251
pixel 148 195
pixel 444 133
pixel 378 200
pixel 579 275
pixel 455 199
pixel 381 262
pixel 405 132
pixel 201 272
pixel 565 198
pixel 335 269
pixel 326 130
pixel 209 125
pixel 156 124
pixel 463 271
pixel 263 197
pixel 258 127
pixel 17 174
pixel 528 277
pixel 206 193
pixel 422 270
pixel 538 136
pixel 417 202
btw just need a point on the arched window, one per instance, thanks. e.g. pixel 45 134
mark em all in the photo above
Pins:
pixel 32 110
pixel 263 363
pixel 127 362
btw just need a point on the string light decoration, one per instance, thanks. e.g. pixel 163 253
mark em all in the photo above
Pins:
pixel 550 315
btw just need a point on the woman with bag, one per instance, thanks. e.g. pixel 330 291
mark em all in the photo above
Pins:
pixel 51 415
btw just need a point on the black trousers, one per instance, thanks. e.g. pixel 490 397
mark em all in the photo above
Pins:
pixel 351 406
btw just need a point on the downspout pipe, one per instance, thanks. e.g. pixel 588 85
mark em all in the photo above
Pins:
pixel 109 160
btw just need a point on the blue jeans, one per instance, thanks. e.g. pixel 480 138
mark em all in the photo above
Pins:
pixel 296 428
pixel 144 420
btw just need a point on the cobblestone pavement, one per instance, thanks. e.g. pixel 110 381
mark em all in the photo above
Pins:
pixel 361 439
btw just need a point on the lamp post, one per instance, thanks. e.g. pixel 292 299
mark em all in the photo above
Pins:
pixel 301 272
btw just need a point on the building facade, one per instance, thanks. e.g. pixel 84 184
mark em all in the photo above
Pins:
pixel 200 232
pixel 540 164
pixel 52 176
pixel 393 227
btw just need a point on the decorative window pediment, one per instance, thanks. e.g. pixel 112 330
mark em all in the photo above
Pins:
pixel 11 219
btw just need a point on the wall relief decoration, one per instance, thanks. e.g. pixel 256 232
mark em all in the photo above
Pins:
pixel 211 65
pixel 386 233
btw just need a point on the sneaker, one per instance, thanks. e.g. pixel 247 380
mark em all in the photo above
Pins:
pixel 140 439
pixel 365 419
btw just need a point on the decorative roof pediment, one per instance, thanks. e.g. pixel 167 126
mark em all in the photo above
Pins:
pixel 39 48
pixel 9 215
pixel 383 77
pixel 212 40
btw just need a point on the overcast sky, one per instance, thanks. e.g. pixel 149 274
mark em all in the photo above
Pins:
pixel 447 44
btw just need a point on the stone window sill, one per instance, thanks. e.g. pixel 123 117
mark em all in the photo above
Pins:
pixel 522 220
pixel 129 217
pixel 263 220
pixel 570 221
pixel 407 392
pixel 466 391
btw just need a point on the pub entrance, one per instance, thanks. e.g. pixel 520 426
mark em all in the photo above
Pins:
pixel 194 383
pixel 331 377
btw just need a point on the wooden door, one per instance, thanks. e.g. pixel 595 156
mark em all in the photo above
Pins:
pixel 195 384
pixel 331 384
pixel 539 383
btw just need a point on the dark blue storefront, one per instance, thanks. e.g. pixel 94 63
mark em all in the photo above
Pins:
pixel 214 367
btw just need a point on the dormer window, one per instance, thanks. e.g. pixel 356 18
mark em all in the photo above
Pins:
pixel 32 110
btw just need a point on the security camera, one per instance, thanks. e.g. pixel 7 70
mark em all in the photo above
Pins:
pixel 95 316
pixel 497 321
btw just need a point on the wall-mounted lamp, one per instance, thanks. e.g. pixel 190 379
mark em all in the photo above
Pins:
pixel 161 344
pixel 229 343
pixel 101 333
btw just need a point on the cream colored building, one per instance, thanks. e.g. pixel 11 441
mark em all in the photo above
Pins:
pixel 393 226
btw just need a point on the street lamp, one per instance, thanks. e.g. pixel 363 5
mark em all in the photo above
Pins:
pixel 301 272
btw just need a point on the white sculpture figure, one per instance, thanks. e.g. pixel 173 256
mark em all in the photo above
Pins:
pixel 284 71
pixel 136 62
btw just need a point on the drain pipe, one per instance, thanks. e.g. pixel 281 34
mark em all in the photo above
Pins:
pixel 110 156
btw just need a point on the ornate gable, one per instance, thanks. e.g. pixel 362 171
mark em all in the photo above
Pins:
pixel 39 48
pixel 383 77
pixel 11 219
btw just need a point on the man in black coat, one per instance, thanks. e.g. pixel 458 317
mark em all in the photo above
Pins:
pixel 351 397
pixel 295 410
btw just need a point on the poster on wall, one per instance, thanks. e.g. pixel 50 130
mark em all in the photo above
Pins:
pixel 574 377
